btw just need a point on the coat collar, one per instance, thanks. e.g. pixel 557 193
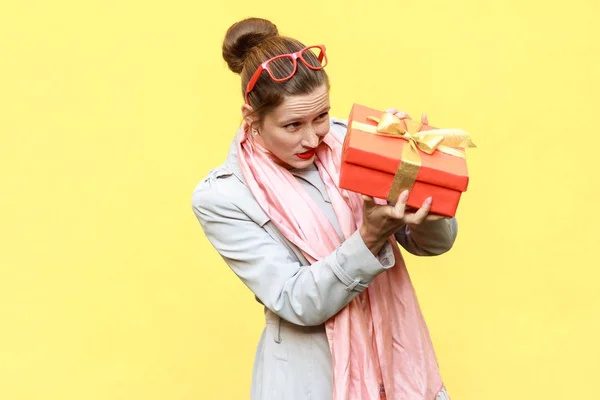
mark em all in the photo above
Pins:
pixel 232 158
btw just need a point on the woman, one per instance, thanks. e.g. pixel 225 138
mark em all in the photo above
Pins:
pixel 342 319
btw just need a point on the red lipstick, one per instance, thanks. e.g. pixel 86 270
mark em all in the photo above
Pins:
pixel 307 155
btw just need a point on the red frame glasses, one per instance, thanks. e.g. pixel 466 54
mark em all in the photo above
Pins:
pixel 294 57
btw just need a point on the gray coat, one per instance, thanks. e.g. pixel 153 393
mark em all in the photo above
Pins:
pixel 292 360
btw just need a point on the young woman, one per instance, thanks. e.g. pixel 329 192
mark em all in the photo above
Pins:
pixel 342 318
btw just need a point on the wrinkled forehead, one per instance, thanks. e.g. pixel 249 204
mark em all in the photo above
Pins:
pixel 304 105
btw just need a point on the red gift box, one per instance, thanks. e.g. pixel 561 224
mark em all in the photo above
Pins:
pixel 371 161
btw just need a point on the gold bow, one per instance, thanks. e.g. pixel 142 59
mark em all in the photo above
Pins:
pixel 444 140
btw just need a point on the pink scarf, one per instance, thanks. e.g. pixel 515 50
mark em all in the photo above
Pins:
pixel 380 337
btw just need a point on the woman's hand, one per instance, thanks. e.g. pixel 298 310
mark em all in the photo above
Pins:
pixel 404 115
pixel 382 221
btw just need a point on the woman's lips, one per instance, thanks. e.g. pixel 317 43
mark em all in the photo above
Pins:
pixel 306 155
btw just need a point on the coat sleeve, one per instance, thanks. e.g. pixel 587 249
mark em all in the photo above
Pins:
pixel 303 295
pixel 430 238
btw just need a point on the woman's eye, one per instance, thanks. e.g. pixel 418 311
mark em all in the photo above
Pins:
pixel 322 116
pixel 293 125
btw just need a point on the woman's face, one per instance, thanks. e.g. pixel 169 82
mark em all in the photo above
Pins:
pixel 293 130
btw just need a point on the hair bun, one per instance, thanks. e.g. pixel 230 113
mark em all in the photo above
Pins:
pixel 242 36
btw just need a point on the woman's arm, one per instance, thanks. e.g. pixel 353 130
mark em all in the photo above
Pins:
pixel 303 295
pixel 430 238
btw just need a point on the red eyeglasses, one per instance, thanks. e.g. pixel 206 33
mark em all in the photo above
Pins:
pixel 279 67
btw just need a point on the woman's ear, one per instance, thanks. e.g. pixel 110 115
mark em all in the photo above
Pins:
pixel 248 114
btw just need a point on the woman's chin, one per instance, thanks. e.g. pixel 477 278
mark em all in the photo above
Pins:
pixel 295 162
pixel 299 163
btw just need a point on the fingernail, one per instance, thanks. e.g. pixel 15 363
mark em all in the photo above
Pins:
pixel 428 200
pixel 404 196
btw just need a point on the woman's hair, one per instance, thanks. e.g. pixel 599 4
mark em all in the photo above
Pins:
pixel 249 43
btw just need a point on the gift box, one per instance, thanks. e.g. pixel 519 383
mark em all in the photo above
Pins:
pixel 384 155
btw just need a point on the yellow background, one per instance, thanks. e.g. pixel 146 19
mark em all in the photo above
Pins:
pixel 112 111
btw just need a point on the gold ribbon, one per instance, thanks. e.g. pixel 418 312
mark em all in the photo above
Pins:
pixel 429 141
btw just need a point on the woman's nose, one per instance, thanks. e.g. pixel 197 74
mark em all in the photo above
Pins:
pixel 312 138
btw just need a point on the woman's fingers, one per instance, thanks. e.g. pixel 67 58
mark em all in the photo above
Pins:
pixel 399 207
pixel 401 211
pixel 398 113
pixel 404 115
pixel 421 213
pixel 434 217
pixel 368 201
